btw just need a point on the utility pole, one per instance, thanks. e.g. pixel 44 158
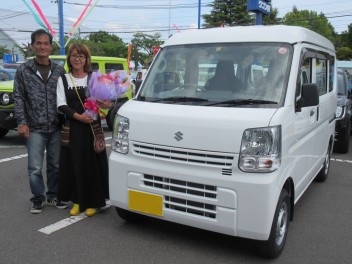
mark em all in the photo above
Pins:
pixel 61 26
pixel 169 17
pixel 199 3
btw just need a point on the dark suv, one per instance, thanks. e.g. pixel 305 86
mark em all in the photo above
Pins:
pixel 343 113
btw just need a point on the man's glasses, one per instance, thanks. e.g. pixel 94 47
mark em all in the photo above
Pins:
pixel 79 57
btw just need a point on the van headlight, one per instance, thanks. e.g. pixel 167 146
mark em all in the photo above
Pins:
pixel 260 149
pixel 120 141
pixel 340 112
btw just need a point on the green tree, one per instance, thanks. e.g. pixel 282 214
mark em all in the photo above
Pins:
pixel 272 18
pixel 142 46
pixel 346 37
pixel 311 20
pixel 104 44
pixel 103 37
pixel 4 49
pixel 344 53
pixel 229 13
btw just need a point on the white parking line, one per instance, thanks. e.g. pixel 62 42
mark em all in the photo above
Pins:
pixel 341 160
pixel 26 155
pixel 14 158
pixel 67 222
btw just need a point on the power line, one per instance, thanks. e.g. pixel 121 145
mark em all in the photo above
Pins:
pixel 174 6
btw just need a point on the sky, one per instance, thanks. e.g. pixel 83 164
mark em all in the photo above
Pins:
pixel 126 17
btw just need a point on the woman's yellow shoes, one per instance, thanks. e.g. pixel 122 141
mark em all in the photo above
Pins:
pixel 75 210
pixel 91 211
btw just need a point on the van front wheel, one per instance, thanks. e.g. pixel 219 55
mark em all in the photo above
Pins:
pixel 278 234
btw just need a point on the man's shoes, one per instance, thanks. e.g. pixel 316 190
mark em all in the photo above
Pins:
pixel 36 207
pixel 74 210
pixel 59 204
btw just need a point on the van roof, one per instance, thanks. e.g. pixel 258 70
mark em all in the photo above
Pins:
pixel 277 33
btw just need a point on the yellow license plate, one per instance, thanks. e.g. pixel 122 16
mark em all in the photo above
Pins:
pixel 145 202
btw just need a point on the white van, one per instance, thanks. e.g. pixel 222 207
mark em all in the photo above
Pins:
pixel 225 153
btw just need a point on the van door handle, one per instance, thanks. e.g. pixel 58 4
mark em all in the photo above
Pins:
pixel 312 112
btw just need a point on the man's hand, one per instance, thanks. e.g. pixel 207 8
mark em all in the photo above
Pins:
pixel 23 131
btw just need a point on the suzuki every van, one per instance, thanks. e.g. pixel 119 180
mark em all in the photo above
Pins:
pixel 229 152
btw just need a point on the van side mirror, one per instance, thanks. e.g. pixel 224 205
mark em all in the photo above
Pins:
pixel 310 96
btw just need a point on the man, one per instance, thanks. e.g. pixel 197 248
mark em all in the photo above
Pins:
pixel 37 119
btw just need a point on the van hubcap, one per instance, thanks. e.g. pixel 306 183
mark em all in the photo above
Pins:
pixel 281 224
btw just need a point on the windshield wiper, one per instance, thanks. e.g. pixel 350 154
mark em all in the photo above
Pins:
pixel 181 99
pixel 236 102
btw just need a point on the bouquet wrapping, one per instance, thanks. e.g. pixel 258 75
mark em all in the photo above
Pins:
pixel 108 86
pixel 105 87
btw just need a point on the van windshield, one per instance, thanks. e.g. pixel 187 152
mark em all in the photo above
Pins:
pixel 219 75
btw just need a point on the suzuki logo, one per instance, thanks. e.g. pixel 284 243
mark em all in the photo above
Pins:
pixel 178 135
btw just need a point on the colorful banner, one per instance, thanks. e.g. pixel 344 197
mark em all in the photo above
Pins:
pixel 177 28
pixel 129 56
pixel 80 20
pixel 81 16
pixel 43 17
pixel 37 19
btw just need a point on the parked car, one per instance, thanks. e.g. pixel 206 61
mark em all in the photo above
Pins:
pixel 343 113
pixel 347 67
pixel 7 74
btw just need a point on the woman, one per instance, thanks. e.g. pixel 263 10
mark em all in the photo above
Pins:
pixel 83 172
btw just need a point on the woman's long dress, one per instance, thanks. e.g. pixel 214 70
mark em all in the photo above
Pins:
pixel 83 172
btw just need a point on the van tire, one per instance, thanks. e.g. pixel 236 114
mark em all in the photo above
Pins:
pixel 110 117
pixel 273 247
pixel 127 215
pixel 3 132
pixel 324 172
pixel 343 145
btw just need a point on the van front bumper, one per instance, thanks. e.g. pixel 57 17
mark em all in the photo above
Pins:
pixel 240 204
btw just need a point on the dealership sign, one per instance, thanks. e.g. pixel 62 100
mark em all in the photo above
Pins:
pixel 259 6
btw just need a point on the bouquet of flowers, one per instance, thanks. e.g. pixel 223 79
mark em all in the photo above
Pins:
pixel 105 87
pixel 108 86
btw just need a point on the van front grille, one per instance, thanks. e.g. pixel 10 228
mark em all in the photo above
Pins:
pixel 184 155
pixel 183 187
pixel 190 207
pixel 201 190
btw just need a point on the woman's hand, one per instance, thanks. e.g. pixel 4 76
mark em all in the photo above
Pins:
pixel 106 104
pixel 86 119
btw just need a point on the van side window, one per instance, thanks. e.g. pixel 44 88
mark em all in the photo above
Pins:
pixel 305 75
pixel 332 73
pixel 321 75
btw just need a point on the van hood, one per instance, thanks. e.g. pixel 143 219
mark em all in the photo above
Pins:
pixel 193 127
